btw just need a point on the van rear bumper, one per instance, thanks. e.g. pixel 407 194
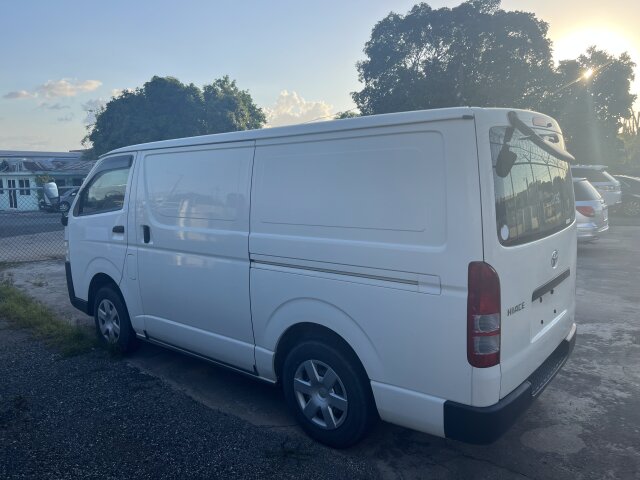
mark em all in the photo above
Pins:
pixel 482 425
pixel 75 301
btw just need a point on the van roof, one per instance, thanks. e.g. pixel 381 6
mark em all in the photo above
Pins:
pixel 357 123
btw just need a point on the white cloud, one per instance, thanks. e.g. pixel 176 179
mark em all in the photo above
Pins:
pixel 18 94
pixel 56 88
pixel 290 108
pixel 66 88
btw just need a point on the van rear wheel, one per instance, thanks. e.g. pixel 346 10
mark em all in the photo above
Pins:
pixel 113 326
pixel 328 393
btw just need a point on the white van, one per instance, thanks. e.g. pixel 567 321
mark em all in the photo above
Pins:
pixel 418 266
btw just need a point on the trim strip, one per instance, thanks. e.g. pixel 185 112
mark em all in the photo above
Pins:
pixel 540 291
pixel 337 272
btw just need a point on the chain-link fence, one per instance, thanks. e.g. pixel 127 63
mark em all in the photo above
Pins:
pixel 30 227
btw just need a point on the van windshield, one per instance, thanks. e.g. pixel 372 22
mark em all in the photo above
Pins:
pixel 535 198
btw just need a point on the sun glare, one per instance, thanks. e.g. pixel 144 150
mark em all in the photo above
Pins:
pixel 574 43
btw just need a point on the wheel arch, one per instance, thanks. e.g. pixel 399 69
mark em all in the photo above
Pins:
pixel 98 281
pixel 295 322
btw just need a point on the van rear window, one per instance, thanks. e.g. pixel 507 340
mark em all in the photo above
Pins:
pixel 535 198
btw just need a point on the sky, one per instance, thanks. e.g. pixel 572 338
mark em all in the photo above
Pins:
pixel 296 58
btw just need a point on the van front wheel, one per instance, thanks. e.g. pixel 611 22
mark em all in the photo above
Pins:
pixel 328 394
pixel 113 326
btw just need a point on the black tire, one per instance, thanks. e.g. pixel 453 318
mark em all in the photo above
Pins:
pixel 109 312
pixel 349 426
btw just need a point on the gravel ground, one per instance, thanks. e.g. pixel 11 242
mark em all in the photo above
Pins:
pixel 93 416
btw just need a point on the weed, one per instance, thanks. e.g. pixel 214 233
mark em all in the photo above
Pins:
pixel 22 311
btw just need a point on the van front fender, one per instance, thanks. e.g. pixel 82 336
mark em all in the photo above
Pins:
pixel 97 266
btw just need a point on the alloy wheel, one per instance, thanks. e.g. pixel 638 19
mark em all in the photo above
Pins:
pixel 320 394
pixel 108 321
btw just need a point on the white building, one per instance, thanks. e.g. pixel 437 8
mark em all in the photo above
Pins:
pixel 22 172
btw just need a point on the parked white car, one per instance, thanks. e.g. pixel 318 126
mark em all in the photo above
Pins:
pixel 418 266
pixel 606 185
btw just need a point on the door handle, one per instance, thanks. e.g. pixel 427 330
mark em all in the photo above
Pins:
pixel 146 233
pixel 118 229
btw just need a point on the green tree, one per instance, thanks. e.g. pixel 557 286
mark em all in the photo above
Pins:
pixel 165 108
pixel 346 114
pixel 591 106
pixel 631 163
pixel 473 54
pixel 227 108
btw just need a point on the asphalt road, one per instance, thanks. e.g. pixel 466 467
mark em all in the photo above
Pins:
pixel 586 425
pixel 13 224
pixel 95 417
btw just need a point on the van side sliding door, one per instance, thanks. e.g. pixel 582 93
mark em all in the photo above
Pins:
pixel 192 235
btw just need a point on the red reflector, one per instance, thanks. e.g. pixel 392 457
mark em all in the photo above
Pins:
pixel 483 316
pixel 587 211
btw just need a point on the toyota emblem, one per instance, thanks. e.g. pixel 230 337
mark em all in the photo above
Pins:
pixel 554 259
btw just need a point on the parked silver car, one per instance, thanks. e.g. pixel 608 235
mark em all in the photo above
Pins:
pixel 604 183
pixel 592 214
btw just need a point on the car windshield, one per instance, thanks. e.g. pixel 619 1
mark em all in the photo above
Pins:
pixel 535 198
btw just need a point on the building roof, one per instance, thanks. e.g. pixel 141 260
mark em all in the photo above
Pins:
pixel 73 155
pixel 44 164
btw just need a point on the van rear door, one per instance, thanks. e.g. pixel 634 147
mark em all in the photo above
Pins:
pixel 529 237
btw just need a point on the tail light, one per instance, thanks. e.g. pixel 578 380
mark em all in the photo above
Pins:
pixel 587 211
pixel 483 316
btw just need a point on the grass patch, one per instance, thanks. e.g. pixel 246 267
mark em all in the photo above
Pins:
pixel 21 311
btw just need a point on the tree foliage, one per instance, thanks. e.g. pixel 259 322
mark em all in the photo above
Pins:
pixel 591 110
pixel 480 55
pixel 473 54
pixel 346 114
pixel 165 108
pixel 631 164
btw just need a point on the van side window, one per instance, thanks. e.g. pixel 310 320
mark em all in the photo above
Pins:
pixel 105 192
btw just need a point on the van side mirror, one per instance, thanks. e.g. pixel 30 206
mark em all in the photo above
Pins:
pixel 506 160
pixel 64 220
